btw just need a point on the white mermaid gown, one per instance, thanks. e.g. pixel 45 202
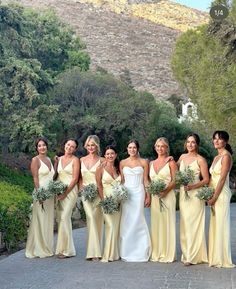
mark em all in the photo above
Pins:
pixel 135 244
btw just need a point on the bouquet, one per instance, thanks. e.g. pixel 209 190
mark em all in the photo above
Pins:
pixel 183 178
pixel 57 188
pixel 206 194
pixel 109 205
pixel 120 192
pixel 89 192
pixel 41 195
pixel 155 188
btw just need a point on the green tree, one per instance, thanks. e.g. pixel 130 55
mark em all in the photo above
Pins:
pixel 34 49
pixel 201 65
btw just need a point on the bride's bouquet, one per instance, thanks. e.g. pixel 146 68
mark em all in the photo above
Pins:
pixel 183 178
pixel 41 194
pixel 120 192
pixel 109 205
pixel 155 188
pixel 205 194
pixel 89 192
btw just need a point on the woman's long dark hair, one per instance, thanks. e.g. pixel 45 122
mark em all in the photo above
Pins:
pixel 116 162
pixel 222 134
pixel 43 139
pixel 196 138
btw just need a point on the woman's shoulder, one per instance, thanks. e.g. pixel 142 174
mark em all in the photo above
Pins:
pixel 144 161
pixel 201 159
pixel 183 156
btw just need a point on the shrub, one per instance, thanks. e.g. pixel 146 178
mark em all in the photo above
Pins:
pixel 14 214
pixel 16 177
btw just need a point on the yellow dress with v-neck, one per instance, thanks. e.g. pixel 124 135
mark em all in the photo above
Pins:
pixel 112 222
pixel 163 232
pixel 192 222
pixel 40 235
pixel 219 228
pixel 65 243
pixel 94 217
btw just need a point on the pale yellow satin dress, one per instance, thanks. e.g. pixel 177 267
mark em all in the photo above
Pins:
pixel 163 232
pixel 112 222
pixel 219 228
pixel 65 243
pixel 40 235
pixel 192 222
pixel 94 216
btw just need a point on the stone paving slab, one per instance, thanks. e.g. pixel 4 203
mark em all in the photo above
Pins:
pixel 18 272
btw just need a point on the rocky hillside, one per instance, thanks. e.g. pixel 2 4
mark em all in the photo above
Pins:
pixel 128 40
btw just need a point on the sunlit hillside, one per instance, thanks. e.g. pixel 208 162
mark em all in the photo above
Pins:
pixel 164 12
pixel 132 41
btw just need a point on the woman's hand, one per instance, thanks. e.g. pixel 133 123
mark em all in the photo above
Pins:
pixel 163 194
pixel 147 201
pixel 61 197
pixel 188 188
pixel 212 201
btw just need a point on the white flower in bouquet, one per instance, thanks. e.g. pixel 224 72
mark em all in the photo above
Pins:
pixel 120 192
pixel 183 178
pixel 89 192
pixel 109 205
pixel 57 187
pixel 205 194
pixel 41 194
pixel 155 188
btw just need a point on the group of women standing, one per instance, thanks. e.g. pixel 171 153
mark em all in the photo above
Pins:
pixel 126 231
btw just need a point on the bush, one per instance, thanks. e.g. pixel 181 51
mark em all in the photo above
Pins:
pixel 15 208
pixel 16 178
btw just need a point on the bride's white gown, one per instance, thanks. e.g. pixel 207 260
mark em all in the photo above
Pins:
pixel 135 244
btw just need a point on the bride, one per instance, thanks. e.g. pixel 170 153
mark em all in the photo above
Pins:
pixel 135 244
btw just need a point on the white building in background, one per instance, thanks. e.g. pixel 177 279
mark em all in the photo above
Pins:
pixel 189 112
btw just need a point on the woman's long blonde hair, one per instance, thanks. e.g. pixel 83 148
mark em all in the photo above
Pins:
pixel 165 141
pixel 95 139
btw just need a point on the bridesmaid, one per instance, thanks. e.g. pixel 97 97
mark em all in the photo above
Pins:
pixel 163 222
pixel 107 175
pixel 94 215
pixel 192 210
pixel 40 236
pixel 68 173
pixel 219 228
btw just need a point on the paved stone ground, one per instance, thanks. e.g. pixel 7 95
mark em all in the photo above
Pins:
pixel 17 272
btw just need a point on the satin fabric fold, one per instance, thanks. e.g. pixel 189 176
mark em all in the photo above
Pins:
pixel 192 222
pixel 94 217
pixel 219 227
pixel 40 235
pixel 163 231
pixel 112 223
pixel 135 243
pixel 65 243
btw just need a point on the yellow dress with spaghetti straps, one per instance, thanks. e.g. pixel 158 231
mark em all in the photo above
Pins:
pixel 94 216
pixel 163 232
pixel 219 228
pixel 40 235
pixel 192 222
pixel 65 243
pixel 112 222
